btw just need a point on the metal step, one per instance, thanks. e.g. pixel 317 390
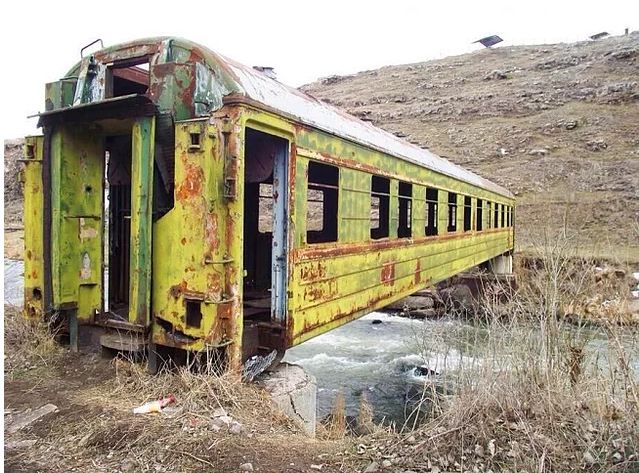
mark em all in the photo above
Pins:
pixel 123 341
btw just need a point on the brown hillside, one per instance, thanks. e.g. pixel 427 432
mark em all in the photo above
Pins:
pixel 556 124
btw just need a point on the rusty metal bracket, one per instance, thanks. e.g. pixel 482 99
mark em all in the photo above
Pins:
pixel 222 261
pixel 222 301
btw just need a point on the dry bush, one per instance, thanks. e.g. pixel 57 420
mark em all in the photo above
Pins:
pixel 335 426
pixel 28 344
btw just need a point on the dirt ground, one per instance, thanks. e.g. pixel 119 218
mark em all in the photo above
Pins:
pixel 94 429
pixel 14 244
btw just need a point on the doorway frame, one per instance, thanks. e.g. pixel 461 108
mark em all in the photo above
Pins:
pixel 280 222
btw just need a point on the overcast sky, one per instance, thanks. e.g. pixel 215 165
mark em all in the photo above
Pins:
pixel 302 40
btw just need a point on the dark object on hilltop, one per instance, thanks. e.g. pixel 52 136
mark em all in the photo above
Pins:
pixel 489 41
pixel 267 71
pixel 603 34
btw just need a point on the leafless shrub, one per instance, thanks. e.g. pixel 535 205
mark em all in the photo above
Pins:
pixel 540 391
pixel 336 423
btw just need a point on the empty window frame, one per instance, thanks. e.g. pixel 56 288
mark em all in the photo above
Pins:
pixel 503 216
pixel 468 213
pixel 479 215
pixel 431 212
pixel 452 212
pixel 380 207
pixel 496 216
pixel 265 215
pixel 322 203
pixel 405 198
pixel 127 76
pixel 489 221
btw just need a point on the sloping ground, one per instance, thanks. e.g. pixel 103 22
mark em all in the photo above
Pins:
pixel 555 124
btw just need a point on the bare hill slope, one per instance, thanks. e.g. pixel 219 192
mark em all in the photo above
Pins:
pixel 556 124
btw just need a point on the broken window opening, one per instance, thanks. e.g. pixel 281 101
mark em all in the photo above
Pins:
pixel 265 208
pixel 468 213
pixel 404 222
pixel 315 210
pixel 193 313
pixel 431 211
pixel 479 218
pixel 503 216
pixel 126 77
pixel 380 208
pixel 163 166
pixel 322 202
pixel 195 140
pixel 452 212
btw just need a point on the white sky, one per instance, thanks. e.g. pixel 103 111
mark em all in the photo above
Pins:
pixel 302 40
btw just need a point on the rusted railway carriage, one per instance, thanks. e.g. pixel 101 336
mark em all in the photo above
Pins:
pixel 177 199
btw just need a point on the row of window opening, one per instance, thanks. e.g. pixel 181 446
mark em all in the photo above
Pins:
pixel 323 200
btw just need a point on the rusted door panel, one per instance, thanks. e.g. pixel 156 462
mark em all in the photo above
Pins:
pixel 280 237
pixel 33 227
pixel 190 252
pixel 77 160
pixel 143 137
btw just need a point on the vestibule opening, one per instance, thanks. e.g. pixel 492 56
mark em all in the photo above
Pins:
pixel 118 215
pixel 262 196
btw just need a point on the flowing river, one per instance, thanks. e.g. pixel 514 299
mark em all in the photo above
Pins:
pixel 389 358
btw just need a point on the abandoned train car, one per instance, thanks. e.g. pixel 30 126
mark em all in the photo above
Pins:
pixel 179 200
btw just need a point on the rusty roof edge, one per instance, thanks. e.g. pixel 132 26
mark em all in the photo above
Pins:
pixel 311 111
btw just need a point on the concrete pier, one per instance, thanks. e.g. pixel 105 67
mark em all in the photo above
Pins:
pixel 294 391
pixel 502 264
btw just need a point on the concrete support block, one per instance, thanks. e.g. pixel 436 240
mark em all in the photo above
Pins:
pixel 294 391
pixel 502 264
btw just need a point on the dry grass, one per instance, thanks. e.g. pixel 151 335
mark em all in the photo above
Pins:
pixel 335 427
pixel 28 344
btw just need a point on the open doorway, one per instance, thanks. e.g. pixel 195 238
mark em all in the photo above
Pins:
pixel 265 201
pixel 118 215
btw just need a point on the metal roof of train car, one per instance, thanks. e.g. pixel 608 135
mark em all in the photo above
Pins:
pixel 258 87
